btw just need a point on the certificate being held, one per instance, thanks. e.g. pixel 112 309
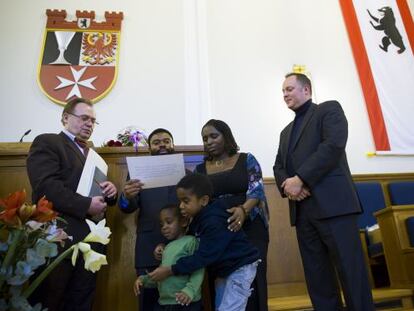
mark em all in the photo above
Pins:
pixel 157 171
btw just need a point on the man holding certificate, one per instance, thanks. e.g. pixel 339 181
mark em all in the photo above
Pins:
pixel 137 195
pixel 54 166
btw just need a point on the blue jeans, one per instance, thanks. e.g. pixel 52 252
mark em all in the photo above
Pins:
pixel 233 292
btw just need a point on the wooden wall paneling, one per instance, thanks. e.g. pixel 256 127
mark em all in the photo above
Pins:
pixel 114 288
pixel 13 175
pixel 284 264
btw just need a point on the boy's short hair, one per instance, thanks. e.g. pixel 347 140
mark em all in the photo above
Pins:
pixel 174 207
pixel 198 184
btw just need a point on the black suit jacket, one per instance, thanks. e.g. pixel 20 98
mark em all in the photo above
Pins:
pixel 319 159
pixel 54 167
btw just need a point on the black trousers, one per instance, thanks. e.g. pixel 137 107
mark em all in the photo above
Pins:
pixel 258 236
pixel 148 298
pixel 330 248
pixel 194 306
pixel 66 288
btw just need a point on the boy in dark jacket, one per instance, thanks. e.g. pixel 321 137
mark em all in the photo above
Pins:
pixel 227 254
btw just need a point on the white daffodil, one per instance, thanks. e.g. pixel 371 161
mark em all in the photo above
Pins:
pixel 94 260
pixel 83 247
pixel 99 233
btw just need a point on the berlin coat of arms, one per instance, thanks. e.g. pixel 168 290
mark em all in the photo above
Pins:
pixel 79 58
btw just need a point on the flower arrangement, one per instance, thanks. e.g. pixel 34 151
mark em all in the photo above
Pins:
pixel 129 136
pixel 28 239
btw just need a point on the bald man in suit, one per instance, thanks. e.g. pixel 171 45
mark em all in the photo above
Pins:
pixel 311 170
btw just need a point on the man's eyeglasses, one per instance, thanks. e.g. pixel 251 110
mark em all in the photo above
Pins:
pixel 85 118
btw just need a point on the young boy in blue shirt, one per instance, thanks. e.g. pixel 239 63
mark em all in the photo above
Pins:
pixel 177 292
pixel 227 254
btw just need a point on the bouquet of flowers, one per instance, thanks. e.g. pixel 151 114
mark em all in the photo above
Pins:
pixel 28 239
pixel 129 136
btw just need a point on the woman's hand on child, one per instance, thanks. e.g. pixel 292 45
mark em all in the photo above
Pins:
pixel 137 285
pixel 159 274
pixel 237 218
pixel 159 249
pixel 182 299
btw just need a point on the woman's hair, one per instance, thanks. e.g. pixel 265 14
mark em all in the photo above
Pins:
pixel 230 145
pixel 198 184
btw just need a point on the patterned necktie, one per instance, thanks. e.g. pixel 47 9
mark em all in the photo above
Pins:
pixel 83 144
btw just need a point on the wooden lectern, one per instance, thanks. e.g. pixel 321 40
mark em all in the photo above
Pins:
pixel 114 290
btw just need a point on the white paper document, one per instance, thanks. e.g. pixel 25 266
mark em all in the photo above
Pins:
pixel 157 171
pixel 94 172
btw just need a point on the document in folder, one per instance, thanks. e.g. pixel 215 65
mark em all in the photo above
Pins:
pixel 94 172
pixel 157 171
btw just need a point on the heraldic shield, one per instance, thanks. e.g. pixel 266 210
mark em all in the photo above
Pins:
pixel 79 58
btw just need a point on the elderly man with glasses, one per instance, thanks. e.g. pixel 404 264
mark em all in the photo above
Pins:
pixel 54 167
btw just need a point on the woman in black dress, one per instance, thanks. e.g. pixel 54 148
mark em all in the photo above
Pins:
pixel 237 178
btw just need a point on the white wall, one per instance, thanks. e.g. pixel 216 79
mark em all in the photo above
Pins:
pixel 149 91
pixel 185 61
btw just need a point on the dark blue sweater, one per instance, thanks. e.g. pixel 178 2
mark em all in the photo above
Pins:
pixel 220 249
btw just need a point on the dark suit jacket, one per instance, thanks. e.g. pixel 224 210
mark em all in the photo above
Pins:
pixel 54 167
pixel 149 203
pixel 319 159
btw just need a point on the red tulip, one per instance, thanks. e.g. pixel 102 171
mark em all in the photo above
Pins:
pixel 44 211
pixel 10 206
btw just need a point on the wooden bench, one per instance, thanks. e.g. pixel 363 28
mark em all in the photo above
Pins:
pixel 399 254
